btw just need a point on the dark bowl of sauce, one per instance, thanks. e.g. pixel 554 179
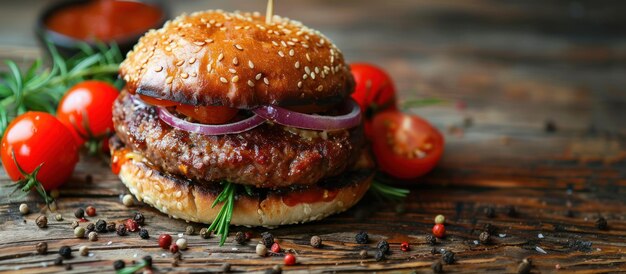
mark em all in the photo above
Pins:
pixel 68 24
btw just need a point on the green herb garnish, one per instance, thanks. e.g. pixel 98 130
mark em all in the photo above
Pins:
pixel 41 89
pixel 387 192
pixel 222 221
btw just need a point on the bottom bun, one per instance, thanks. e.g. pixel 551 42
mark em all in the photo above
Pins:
pixel 183 199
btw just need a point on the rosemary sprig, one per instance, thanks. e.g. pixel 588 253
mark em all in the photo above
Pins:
pixel 41 89
pixel 387 192
pixel 221 223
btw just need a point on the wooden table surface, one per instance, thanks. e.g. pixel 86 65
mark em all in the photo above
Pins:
pixel 535 120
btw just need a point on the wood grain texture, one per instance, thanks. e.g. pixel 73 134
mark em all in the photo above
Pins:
pixel 505 69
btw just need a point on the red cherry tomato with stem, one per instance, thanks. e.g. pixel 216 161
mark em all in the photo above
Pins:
pixel 374 92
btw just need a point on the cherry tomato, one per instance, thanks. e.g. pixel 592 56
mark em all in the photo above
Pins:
pixel 374 92
pixel 208 114
pixel 439 230
pixel 92 100
pixel 406 146
pixel 39 138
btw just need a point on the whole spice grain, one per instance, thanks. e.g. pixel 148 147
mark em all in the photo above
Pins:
pixel 93 236
pixel 430 239
pixel 267 239
pixel 439 230
pixel 440 219
pixel 119 264
pixel 174 248
pixel 434 251
pixel 74 224
pixel 484 237
pixel 58 217
pixel 65 252
pixel 316 241
pixel 602 224
pixel 205 233
pixel 261 250
pixel 437 267
pixel 490 212
pixel 58 261
pixel 248 235
pixel 143 233
pixel 24 209
pixel 121 230
pixel 42 221
pixel 101 226
pixel 190 230
pixel 111 227
pixel 182 243
pixel 448 257
pixel 275 248
pixel 363 254
pixel 42 248
pixel 139 218
pixel 90 227
pixel 79 232
pixel 79 213
pixel 489 228
pixel 131 225
pixel 383 246
pixel 361 237
pixel 178 256
pixel 83 250
pixel 90 211
pixel 240 238
pixel 165 240
pixel 128 200
pixel 524 267
pixel 277 269
pixel 380 255
pixel 404 246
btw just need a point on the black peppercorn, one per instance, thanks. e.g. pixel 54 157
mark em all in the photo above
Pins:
pixel 430 239
pixel 511 211
pixel 79 213
pixel 316 241
pixel 42 221
pixel 361 237
pixel 434 251
pixel 380 255
pixel 121 229
pixel 90 227
pixel 383 246
pixel 101 226
pixel 139 218
pixel 148 260
pixel 363 254
pixel 58 261
pixel 240 238
pixel 119 264
pixel 524 267
pixel 190 230
pixel 42 248
pixel 143 233
pixel 437 267
pixel 484 237
pixel 602 224
pixel 448 257
pixel 490 212
pixel 111 227
pixel 205 233
pixel 65 252
pixel 267 239
pixel 489 228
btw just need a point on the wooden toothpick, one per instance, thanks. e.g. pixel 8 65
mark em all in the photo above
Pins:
pixel 269 12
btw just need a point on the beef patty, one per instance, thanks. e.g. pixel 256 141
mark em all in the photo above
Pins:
pixel 268 156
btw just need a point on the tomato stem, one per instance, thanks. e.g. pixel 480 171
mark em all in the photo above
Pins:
pixel 29 180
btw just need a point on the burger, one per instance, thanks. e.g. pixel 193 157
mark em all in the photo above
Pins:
pixel 229 118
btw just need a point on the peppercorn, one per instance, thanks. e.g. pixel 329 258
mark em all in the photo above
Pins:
pixel 380 255
pixel 240 238
pixel 290 259
pixel 383 246
pixel 128 200
pixel 524 267
pixel 489 228
pixel 248 235
pixel 24 209
pixel 173 248
pixel 58 261
pixel 225 267
pixel 90 211
pixel 58 217
pixel 448 257
pixel 275 248
pixel 181 243
pixel 111 227
pixel 316 241
pixel 190 230
pixel 267 239
pixel 261 250
pixel 437 267
pixel 490 212
pixel 440 219
pixel 439 231
pixel 404 246
pixel 148 260
pixel 74 224
pixel 363 254
pixel 361 237
pixel 90 227
pixel 602 224
pixel 205 233
pixel 65 252
pixel 42 248
pixel 143 233
pixel 131 225
pixel 101 226
pixel 79 232
pixel 83 250
pixel 42 221
pixel 484 237
pixel 119 264
pixel 165 240
pixel 121 229
pixel 511 211
pixel 79 213
pixel 139 218
pixel 93 236
pixel 430 239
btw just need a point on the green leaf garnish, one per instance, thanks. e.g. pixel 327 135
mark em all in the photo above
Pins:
pixel 387 192
pixel 221 223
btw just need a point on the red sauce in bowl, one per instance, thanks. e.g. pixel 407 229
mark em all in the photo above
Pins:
pixel 104 20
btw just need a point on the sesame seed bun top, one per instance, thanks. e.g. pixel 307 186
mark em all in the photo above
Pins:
pixel 236 59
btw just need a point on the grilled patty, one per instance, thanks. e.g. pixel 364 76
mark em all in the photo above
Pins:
pixel 268 156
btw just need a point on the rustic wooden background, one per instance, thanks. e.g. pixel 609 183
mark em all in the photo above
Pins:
pixel 507 69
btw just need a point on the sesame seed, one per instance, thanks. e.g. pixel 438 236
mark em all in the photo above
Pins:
pixel 317 70
pixel 180 63
pixel 237 46
pixel 307 70
pixel 308 57
pixel 267 82
pixel 300 84
pixel 208 67
pixel 237 27
pixel 304 45
pixel 199 43
pixel 250 64
pixel 223 28
pixel 250 83
pixel 304 76
pixel 193 74
pixel 212 21
pixel 235 61
pixel 281 53
pixel 168 48
pixel 313 75
pixel 246 27
pixel 292 52
pixel 297 64
pixel 235 79
pixel 220 57
pixel 294 39
pixel 232 70
pixel 223 80
pixel 283 43
pixel 158 69
pixel 209 40
pixel 320 88
pixel 184 75
pixel 274 43
pixel 258 76
pixel 291 43
pixel 192 60
pixel 218 25
pixel 169 79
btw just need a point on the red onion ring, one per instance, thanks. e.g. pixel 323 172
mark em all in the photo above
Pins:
pixel 232 128
pixel 311 121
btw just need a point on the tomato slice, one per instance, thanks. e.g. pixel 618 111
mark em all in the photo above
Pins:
pixel 212 115
pixel 157 102
pixel 406 146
